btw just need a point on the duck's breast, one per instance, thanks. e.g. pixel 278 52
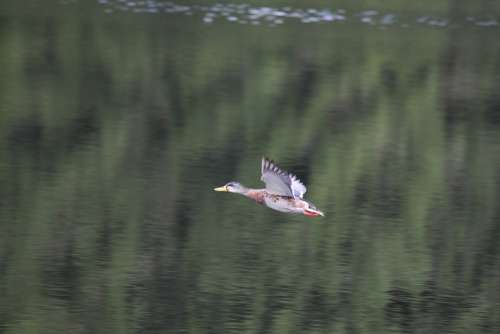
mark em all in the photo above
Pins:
pixel 282 203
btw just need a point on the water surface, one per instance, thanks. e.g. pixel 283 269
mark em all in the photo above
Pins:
pixel 115 125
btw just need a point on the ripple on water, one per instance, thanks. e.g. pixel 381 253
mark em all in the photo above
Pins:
pixel 271 16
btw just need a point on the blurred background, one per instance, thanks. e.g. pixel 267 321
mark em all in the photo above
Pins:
pixel 117 119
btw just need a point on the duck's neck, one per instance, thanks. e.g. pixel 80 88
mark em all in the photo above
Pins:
pixel 255 194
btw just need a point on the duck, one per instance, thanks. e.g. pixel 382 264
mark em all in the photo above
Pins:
pixel 284 192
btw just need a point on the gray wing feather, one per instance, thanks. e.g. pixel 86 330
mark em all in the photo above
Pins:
pixel 281 182
pixel 298 188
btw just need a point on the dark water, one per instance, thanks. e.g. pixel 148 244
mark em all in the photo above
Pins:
pixel 115 125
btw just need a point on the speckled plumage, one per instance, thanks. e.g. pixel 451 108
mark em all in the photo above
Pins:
pixel 284 191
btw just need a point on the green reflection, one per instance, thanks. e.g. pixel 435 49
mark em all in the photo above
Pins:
pixel 115 129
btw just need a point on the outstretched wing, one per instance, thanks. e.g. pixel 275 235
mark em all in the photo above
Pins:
pixel 281 182
pixel 298 188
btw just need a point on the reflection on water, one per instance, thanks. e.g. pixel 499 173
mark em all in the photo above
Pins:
pixel 249 14
pixel 114 129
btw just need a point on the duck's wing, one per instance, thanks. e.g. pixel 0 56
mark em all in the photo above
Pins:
pixel 281 182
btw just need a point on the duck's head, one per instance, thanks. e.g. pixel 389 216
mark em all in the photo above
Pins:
pixel 232 187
